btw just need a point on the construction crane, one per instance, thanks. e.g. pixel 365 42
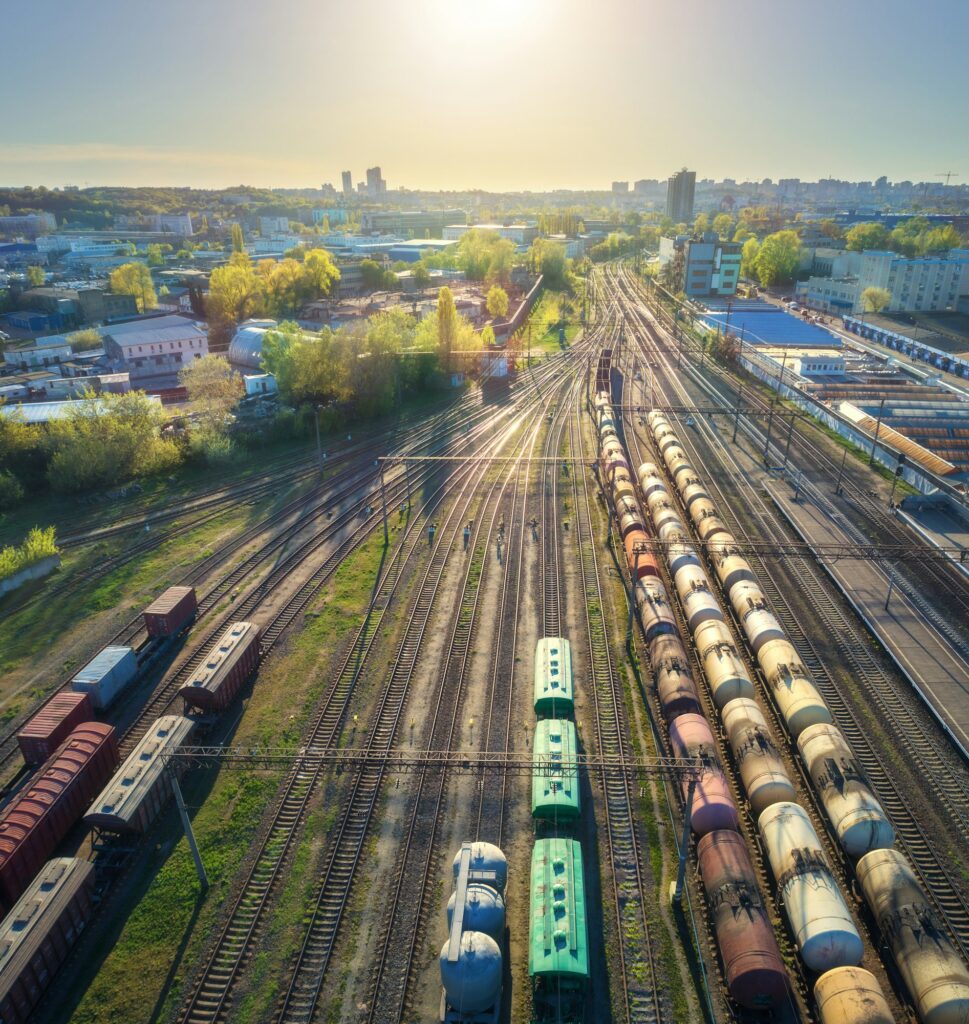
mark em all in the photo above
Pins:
pixel 947 175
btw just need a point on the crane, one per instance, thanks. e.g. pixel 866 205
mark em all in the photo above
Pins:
pixel 947 175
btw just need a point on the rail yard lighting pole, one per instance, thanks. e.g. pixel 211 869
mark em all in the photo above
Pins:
pixel 736 416
pixel 891 587
pixel 770 424
pixel 676 888
pixel 841 472
pixel 383 503
pixel 878 426
pixel 790 431
pixel 189 834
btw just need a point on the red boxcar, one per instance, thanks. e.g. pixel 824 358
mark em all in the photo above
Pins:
pixel 52 724
pixel 227 666
pixel 166 615
pixel 40 816
pixel 36 937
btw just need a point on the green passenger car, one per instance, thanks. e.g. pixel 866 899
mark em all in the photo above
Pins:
pixel 558 950
pixel 553 678
pixel 555 780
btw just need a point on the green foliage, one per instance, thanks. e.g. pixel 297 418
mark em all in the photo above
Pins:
pixel 11 490
pixel 447 324
pixel 36 276
pixel 135 279
pixel 869 235
pixel 548 259
pixel 84 341
pixel 777 258
pixel 485 256
pixel 748 257
pixel 615 245
pixel 723 224
pixel 106 442
pixel 238 241
pixel 497 302
pixel 214 389
pixel 154 257
pixel 874 300
pixel 701 224
pixel 38 545
pixel 422 276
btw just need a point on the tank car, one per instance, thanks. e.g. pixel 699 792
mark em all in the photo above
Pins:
pixel 797 697
pixel 851 995
pixel 762 769
pixel 675 687
pixel 931 967
pixel 823 929
pixel 472 982
pixel 654 609
pixel 713 807
pixel 853 810
pixel 724 670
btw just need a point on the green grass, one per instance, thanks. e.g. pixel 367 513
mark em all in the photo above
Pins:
pixel 162 940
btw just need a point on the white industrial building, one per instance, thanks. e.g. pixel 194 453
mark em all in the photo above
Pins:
pixel 155 346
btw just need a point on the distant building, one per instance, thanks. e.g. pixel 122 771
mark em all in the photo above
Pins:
pixel 75 307
pixel 520 234
pixel 155 346
pixel 333 214
pixel 702 265
pixel 644 185
pixel 376 186
pixel 620 187
pixel 273 225
pixel 415 223
pixel 37 354
pixel 31 224
pixel 680 190
pixel 412 251
pixel 347 177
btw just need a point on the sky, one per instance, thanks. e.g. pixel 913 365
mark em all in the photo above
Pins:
pixel 490 94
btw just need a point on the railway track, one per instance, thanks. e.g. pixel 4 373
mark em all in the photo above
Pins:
pixel 924 854
pixel 642 1001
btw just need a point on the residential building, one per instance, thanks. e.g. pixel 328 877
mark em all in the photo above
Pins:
pixel 273 225
pixel 333 214
pixel 620 187
pixel 347 178
pixel 376 186
pixel 680 191
pixel 410 223
pixel 31 224
pixel 155 346
pixel 520 234
pixel 702 265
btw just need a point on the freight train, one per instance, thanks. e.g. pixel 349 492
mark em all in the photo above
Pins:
pixel 753 969
pixel 827 940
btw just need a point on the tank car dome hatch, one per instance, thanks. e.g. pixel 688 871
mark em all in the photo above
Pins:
pixel 245 349
pixel 484 910
pixel 486 857
pixel 472 981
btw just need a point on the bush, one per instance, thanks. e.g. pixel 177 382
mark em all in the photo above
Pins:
pixel 38 545
pixel 11 491
pixel 210 447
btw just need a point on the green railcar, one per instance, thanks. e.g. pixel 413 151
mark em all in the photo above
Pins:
pixel 553 691
pixel 558 949
pixel 555 777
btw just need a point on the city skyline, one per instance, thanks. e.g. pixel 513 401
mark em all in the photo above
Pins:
pixel 738 92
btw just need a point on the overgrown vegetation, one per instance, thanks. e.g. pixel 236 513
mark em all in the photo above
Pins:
pixel 39 544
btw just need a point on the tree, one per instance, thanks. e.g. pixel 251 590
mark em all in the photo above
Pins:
pixel 372 274
pixel 778 258
pixel 320 273
pixel 487 337
pixel 238 241
pixel 84 341
pixel 874 300
pixel 422 276
pixel 831 229
pixel 701 224
pixel 235 292
pixel 868 235
pixel 722 224
pixel 548 259
pixel 748 258
pixel 213 387
pixel 36 276
pixel 135 279
pixel 497 302
pixel 154 257
pixel 447 325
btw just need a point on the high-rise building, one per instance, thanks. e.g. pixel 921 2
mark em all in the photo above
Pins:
pixel 620 187
pixel 375 183
pixel 348 183
pixel 679 196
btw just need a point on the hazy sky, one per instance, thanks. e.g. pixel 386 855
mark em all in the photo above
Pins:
pixel 496 94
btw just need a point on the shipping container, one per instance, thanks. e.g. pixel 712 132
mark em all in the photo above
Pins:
pixel 52 724
pixel 105 676
pixel 141 787
pixel 214 684
pixel 170 613
pixel 39 932
pixel 42 814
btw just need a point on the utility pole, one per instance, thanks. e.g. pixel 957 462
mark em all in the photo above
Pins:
pixel 383 502
pixel 841 472
pixel 790 431
pixel 316 423
pixel 676 888
pixel 878 426
pixel 736 416
pixel 189 834
pixel 770 423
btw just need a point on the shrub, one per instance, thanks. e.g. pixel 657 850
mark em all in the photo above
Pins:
pixel 38 545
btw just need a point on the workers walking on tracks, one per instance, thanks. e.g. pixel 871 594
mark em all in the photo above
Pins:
pixel 467 535
pixel 501 529
pixel 533 523
pixel 430 533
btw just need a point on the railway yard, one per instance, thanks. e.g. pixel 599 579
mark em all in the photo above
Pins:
pixel 601 652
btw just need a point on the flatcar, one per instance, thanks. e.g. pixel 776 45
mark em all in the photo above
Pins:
pixel 141 787
pixel 555 777
pixel 558 946
pixel 42 814
pixel 37 935
pixel 214 684
pixel 553 684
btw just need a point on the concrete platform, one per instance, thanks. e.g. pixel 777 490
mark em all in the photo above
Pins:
pixel 936 671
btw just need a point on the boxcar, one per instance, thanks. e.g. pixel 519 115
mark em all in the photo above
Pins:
pixel 141 786
pixel 558 946
pixel 52 724
pixel 554 697
pixel 555 779
pixel 37 935
pixel 170 612
pixel 106 675
pixel 226 667
pixel 43 813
